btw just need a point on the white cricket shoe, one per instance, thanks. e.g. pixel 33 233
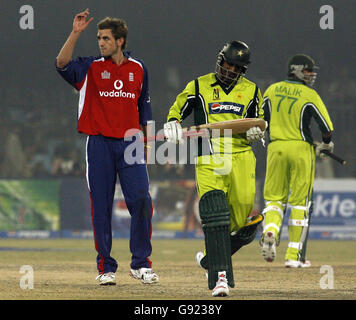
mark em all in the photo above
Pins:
pixel 146 275
pixel 269 246
pixel 200 255
pixel 305 264
pixel 297 264
pixel 106 279
pixel 221 289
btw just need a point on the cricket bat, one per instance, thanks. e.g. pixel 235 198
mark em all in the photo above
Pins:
pixel 204 130
pixel 331 155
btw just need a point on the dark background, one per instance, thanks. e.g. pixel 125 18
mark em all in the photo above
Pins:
pixel 178 41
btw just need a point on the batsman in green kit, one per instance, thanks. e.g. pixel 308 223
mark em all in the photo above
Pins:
pixel 289 106
pixel 225 166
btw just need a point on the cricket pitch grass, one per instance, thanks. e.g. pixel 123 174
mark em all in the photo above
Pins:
pixel 65 269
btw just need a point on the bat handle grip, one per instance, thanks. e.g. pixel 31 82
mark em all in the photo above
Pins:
pixel 333 156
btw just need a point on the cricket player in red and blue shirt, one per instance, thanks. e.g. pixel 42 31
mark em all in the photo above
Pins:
pixel 113 100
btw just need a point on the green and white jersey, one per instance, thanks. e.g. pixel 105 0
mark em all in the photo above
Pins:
pixel 289 107
pixel 214 103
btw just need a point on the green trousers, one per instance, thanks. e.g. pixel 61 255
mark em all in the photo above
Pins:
pixel 289 181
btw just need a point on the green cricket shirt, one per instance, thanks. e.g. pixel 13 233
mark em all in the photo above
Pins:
pixel 289 107
pixel 214 103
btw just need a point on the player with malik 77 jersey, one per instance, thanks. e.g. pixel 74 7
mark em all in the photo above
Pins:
pixel 114 99
pixel 289 107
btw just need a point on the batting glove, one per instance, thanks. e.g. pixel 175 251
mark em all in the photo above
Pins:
pixel 324 146
pixel 254 134
pixel 173 132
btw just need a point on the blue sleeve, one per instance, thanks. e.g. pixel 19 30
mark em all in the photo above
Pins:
pixel 75 71
pixel 144 101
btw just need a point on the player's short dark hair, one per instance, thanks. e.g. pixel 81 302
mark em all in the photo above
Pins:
pixel 118 28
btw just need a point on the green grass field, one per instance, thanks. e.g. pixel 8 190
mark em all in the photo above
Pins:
pixel 65 269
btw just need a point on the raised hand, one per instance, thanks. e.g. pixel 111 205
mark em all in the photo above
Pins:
pixel 81 22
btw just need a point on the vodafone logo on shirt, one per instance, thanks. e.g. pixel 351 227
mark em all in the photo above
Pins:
pixel 117 92
pixel 118 84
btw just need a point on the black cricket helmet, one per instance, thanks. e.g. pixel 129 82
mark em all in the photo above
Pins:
pixel 235 53
pixel 298 64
